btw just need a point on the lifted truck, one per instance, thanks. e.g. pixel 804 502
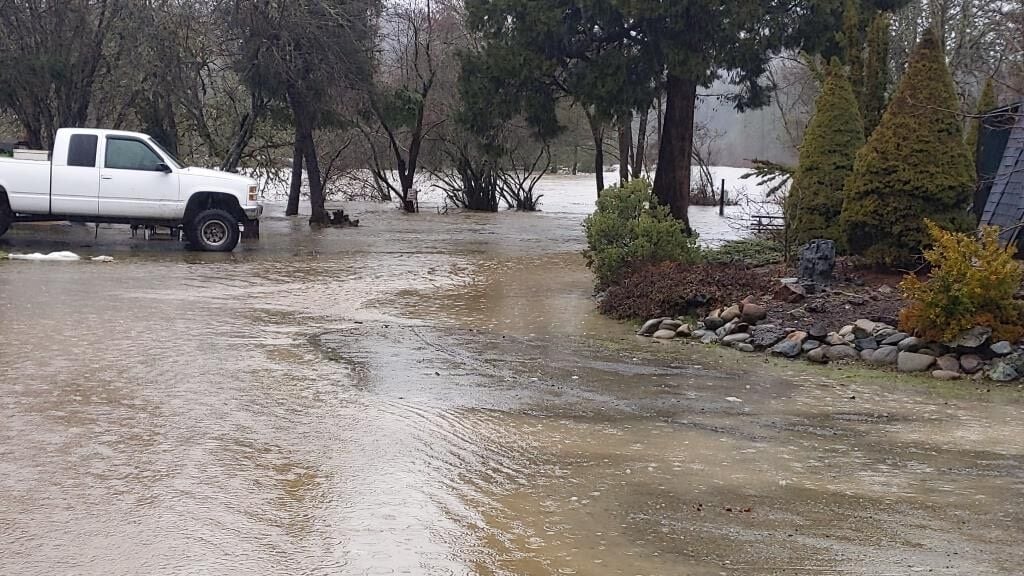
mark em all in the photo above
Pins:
pixel 113 177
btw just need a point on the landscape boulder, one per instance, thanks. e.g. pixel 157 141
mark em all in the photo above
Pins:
pixel 766 336
pixel 913 362
pixel 946 375
pixel 817 262
pixel 840 353
pixel 1003 348
pixel 912 344
pixel 791 293
pixel 948 363
pixel 650 327
pixel 791 346
pixel 971 363
pixel 885 356
pixel 972 339
pixel 731 313
pixel 665 334
pixel 818 355
pixel 753 313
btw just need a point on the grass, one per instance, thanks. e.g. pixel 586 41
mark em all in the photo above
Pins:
pixel 752 252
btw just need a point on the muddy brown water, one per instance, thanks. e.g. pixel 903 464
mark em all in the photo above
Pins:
pixel 435 395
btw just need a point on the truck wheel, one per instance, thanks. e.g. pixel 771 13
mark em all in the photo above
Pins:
pixel 214 230
pixel 5 217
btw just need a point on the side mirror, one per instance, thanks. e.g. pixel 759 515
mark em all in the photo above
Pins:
pixel 162 167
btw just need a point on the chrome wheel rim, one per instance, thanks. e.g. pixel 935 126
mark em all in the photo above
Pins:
pixel 214 232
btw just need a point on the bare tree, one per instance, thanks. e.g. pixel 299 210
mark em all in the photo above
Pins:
pixel 413 92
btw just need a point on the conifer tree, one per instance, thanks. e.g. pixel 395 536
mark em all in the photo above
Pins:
pixel 914 166
pixel 831 141
pixel 876 73
pixel 986 102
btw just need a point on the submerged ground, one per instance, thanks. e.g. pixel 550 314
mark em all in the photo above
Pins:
pixel 435 395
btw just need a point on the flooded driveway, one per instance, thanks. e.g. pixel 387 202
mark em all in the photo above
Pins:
pixel 435 395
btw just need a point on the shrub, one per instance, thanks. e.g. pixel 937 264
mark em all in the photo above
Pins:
pixel 629 229
pixel 751 252
pixel 676 289
pixel 914 166
pixel 830 145
pixel 972 283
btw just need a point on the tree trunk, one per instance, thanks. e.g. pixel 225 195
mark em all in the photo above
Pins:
pixel 317 201
pixel 625 145
pixel 295 191
pixel 597 131
pixel 640 150
pixel 241 141
pixel 675 157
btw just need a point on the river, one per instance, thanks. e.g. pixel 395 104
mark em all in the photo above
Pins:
pixel 435 394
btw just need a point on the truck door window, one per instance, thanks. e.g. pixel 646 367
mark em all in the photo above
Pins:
pixel 129 154
pixel 82 150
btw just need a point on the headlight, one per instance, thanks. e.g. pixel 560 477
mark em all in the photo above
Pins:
pixel 253 194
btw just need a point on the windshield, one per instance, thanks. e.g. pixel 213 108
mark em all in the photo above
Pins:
pixel 170 157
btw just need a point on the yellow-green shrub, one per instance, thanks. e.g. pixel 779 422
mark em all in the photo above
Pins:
pixel 972 283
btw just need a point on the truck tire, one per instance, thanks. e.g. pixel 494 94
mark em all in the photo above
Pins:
pixel 5 216
pixel 213 230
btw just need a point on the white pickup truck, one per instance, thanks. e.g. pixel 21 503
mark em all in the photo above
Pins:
pixel 108 176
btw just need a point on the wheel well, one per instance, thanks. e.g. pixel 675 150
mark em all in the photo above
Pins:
pixel 5 204
pixel 205 200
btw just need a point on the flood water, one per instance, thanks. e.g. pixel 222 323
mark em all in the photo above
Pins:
pixel 434 394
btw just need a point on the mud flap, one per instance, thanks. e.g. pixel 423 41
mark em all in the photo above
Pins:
pixel 251 230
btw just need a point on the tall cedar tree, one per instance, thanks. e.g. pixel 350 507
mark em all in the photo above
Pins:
pixel 914 166
pixel 608 53
pixel 830 145
pixel 876 73
pixel 986 103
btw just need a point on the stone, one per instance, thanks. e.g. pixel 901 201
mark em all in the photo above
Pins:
pixel 799 313
pixel 818 355
pixel 948 363
pixel 945 375
pixel 1003 348
pixel 817 261
pixel 971 363
pixel 709 338
pixel 885 356
pixel 912 362
pixel 912 344
pixel 895 339
pixel 1001 371
pixel 792 346
pixel 736 338
pixel 713 322
pixel 846 330
pixel 672 325
pixel 866 344
pixel 665 334
pixel 811 345
pixel 753 313
pixel 731 313
pixel 766 336
pixel 867 354
pixel 834 339
pixel 684 331
pixel 650 327
pixel 842 353
pixel 818 331
pixel 743 347
pixel 974 338
pixel 885 289
pixel 790 293
pixel 882 334
pixel 864 328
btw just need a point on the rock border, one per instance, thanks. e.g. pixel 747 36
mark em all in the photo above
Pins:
pixel 745 326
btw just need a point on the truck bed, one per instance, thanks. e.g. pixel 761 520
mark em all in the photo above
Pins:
pixel 28 185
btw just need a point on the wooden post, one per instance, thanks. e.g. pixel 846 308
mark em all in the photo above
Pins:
pixel 721 200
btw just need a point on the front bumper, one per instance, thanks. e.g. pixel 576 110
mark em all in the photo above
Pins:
pixel 253 212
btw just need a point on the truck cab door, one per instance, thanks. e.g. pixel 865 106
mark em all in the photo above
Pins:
pixel 135 182
pixel 74 182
